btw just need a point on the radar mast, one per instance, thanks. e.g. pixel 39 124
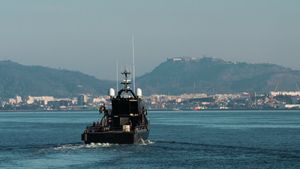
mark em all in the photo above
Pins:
pixel 126 82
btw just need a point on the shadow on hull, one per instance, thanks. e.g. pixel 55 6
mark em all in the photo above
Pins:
pixel 115 137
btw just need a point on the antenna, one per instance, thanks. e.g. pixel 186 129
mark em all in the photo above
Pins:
pixel 133 64
pixel 117 74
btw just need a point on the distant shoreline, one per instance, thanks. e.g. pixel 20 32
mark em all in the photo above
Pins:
pixel 153 110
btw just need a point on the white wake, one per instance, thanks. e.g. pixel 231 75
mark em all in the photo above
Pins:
pixel 82 146
pixel 145 142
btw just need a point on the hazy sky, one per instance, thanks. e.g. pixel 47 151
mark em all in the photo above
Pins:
pixel 90 35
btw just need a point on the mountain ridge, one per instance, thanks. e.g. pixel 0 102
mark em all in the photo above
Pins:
pixel 17 79
pixel 210 75
pixel 174 76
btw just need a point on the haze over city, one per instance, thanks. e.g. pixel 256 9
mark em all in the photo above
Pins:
pixel 89 36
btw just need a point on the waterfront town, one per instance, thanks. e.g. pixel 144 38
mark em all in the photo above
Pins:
pixel 188 102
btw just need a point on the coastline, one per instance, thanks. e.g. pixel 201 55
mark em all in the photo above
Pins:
pixel 156 110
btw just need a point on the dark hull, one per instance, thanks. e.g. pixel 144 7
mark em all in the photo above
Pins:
pixel 115 137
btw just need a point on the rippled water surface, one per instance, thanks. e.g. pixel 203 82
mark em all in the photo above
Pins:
pixel 211 139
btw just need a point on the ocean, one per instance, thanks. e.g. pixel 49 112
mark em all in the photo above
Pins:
pixel 205 140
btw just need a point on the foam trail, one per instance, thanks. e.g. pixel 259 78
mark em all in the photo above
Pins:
pixel 98 145
pixel 81 146
pixel 69 147
pixel 149 142
pixel 145 142
pixel 94 145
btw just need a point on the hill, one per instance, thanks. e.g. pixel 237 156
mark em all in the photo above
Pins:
pixel 23 80
pixel 188 75
pixel 174 76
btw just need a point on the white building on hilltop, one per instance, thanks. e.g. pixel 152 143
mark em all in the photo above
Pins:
pixel 285 93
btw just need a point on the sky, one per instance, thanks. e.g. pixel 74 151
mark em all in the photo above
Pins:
pixel 91 35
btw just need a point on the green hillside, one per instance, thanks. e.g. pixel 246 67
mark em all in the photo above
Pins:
pixel 211 75
pixel 173 76
pixel 16 79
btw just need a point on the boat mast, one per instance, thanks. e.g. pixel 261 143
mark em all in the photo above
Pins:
pixel 117 74
pixel 133 65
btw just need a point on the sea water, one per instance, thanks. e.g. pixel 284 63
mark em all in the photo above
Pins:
pixel 207 139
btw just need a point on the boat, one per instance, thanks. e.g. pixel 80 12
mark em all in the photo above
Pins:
pixel 125 123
